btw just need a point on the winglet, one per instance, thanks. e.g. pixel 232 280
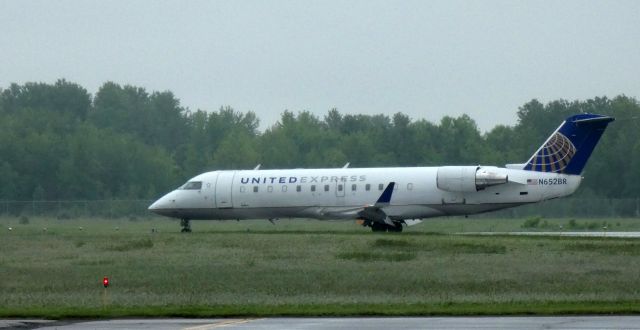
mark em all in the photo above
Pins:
pixel 257 167
pixel 385 198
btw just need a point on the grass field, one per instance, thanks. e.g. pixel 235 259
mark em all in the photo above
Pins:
pixel 300 267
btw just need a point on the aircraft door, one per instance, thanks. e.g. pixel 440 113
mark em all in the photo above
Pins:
pixel 340 188
pixel 209 190
pixel 224 185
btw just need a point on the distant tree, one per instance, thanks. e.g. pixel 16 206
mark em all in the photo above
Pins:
pixel 61 97
pixel 236 151
pixel 57 142
pixel 8 182
pixel 334 120
pixel 278 149
pixel 460 141
pixel 167 125
pixel 38 193
pixel 501 146
pixel 425 145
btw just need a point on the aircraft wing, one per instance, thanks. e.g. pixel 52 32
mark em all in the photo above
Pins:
pixel 369 213
pixel 375 212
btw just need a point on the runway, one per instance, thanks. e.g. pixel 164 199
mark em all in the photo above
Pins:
pixel 616 234
pixel 368 323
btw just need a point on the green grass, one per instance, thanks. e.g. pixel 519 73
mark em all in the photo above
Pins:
pixel 376 256
pixel 145 243
pixel 300 267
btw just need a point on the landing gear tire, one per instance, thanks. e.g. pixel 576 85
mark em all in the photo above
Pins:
pixel 378 227
pixel 186 225
pixel 383 227
pixel 396 228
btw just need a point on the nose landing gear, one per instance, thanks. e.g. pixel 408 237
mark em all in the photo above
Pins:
pixel 383 227
pixel 186 225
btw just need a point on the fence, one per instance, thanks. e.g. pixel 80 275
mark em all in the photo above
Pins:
pixel 77 208
pixel 558 208
pixel 575 208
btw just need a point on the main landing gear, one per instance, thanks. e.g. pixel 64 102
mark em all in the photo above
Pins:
pixel 186 226
pixel 383 227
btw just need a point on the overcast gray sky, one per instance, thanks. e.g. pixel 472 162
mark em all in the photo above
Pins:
pixel 424 58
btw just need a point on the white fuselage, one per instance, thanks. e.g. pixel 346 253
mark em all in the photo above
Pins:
pixel 342 193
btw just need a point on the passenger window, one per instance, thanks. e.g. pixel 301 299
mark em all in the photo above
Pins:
pixel 284 188
pixel 380 186
pixel 192 185
pixel 326 187
pixel 409 186
pixel 367 187
pixel 313 187
pixel 242 189
pixel 340 187
pixel 255 188
pixel 298 188
pixel 270 189
pixel 353 187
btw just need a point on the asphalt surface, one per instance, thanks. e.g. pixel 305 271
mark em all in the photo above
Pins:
pixel 620 234
pixel 368 323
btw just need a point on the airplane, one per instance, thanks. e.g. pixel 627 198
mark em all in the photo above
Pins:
pixel 387 198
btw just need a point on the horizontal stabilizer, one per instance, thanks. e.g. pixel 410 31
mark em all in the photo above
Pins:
pixel 515 166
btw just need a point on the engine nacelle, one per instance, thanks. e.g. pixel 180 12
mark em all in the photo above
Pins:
pixel 468 178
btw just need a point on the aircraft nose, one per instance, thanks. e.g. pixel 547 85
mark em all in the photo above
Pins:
pixel 161 205
pixel 154 206
pixel 166 205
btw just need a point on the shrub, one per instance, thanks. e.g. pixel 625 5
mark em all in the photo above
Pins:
pixel 24 220
pixel 532 222
pixel 374 256
pixel 381 242
pixel 478 248
pixel 132 245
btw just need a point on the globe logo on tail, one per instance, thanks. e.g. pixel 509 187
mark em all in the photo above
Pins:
pixel 554 156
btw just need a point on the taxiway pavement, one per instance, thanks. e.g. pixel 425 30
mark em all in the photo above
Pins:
pixel 363 323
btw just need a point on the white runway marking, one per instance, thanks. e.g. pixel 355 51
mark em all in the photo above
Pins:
pixel 219 324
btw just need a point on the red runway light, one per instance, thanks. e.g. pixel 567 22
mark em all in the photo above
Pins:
pixel 105 281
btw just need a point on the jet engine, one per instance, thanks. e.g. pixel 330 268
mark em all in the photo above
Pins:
pixel 469 178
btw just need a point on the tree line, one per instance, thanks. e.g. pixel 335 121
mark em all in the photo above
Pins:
pixel 59 142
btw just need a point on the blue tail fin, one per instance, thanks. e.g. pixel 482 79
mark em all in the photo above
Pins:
pixel 569 147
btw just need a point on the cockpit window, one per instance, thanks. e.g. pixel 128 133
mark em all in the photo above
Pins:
pixel 192 185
